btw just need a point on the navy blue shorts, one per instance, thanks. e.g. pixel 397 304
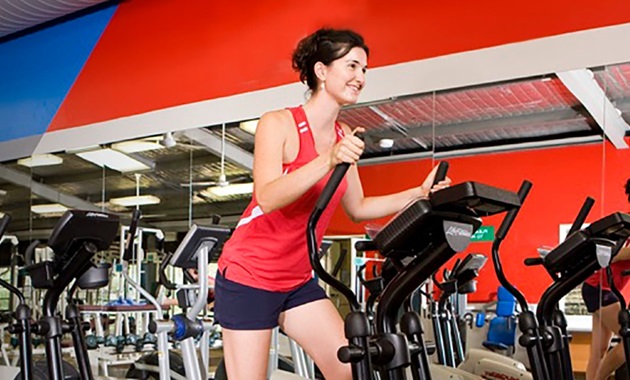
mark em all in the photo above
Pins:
pixel 591 296
pixel 242 307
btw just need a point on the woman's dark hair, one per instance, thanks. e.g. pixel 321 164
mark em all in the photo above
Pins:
pixel 628 189
pixel 325 46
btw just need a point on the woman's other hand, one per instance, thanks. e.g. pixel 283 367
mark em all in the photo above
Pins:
pixel 428 187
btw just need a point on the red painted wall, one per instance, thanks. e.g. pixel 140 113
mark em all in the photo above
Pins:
pixel 162 53
pixel 562 179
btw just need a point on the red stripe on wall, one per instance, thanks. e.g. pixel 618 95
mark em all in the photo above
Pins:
pixel 162 53
pixel 562 179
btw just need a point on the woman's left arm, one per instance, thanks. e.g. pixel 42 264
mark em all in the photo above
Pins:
pixel 359 208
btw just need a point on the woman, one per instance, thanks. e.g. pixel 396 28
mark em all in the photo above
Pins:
pixel 604 307
pixel 264 278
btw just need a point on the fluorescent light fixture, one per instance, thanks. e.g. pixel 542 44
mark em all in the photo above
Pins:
pixel 226 191
pixel 136 146
pixel 249 126
pixel 83 149
pixel 54 208
pixel 40 160
pixel 113 160
pixel 136 200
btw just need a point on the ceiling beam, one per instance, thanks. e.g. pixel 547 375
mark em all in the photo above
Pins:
pixel 97 174
pixel 548 117
pixel 584 87
pixel 212 143
pixel 45 191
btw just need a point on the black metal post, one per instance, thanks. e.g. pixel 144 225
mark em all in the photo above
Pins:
pixel 78 337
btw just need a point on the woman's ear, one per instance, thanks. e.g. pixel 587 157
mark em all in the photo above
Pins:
pixel 320 71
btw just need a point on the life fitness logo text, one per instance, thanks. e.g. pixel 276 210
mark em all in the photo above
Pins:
pixel 458 231
pixel 498 376
pixel 96 215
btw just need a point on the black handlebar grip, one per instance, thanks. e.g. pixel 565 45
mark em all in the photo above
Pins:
pixel 133 227
pixel 441 173
pixel 4 223
pixel 163 278
pixel 581 217
pixel 30 253
pixel 523 191
pixel 365 245
pixel 533 261
pixel 331 185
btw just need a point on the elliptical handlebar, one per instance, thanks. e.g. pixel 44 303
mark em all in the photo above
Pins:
pixel 327 193
pixel 29 254
pixel 581 216
pixel 163 278
pixel 523 191
pixel 133 227
pixel 533 261
pixel 441 173
pixel 4 223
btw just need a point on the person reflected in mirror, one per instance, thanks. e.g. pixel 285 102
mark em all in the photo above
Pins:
pixel 604 308
pixel 194 275
pixel 265 277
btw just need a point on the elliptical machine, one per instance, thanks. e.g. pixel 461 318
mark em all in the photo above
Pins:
pixel 22 315
pixel 429 232
pixel 194 251
pixel 459 280
pixel 76 238
pixel 584 251
pixel 481 362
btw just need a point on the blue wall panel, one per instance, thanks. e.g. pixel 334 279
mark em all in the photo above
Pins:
pixel 38 69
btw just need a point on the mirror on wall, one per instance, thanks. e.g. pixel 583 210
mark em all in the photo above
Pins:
pixel 615 116
pixel 534 129
pixel 154 172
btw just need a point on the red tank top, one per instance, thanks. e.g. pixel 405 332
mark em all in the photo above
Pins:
pixel 600 279
pixel 269 251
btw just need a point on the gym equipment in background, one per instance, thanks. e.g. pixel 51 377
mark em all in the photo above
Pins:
pixel 76 238
pixel 484 363
pixel 195 250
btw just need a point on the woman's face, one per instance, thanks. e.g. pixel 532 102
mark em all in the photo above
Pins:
pixel 345 77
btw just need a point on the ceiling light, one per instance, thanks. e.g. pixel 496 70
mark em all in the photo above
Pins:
pixel 226 191
pixel 136 146
pixel 249 126
pixel 54 208
pixel 40 160
pixel 386 143
pixel 168 140
pixel 113 160
pixel 136 200
pixel 83 149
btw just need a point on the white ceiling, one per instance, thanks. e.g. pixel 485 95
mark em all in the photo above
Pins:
pixel 18 15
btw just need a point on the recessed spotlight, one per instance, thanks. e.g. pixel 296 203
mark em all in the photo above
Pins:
pixel 386 143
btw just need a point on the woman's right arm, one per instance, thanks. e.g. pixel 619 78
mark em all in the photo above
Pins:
pixel 622 255
pixel 273 189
